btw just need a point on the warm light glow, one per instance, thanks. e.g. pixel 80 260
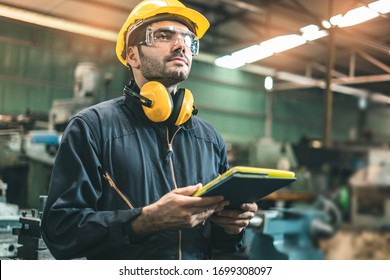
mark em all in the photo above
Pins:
pixel 312 32
pixel 311 28
pixel 326 24
pixel 252 54
pixel 56 23
pixel 335 20
pixel 309 33
pixel 315 36
pixel 316 144
pixel 382 6
pixel 357 16
pixel 228 61
pixel 283 43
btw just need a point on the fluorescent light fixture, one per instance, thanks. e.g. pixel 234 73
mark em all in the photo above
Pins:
pixel 326 24
pixel 357 16
pixel 56 23
pixel 309 33
pixel 283 43
pixel 315 36
pixel 312 32
pixel 382 6
pixel 252 54
pixel 229 61
pixel 311 28
pixel 335 20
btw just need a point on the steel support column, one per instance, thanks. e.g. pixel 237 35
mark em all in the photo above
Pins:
pixel 328 117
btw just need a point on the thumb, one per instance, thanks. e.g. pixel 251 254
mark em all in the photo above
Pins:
pixel 189 190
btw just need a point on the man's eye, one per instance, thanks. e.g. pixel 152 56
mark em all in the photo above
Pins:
pixel 162 36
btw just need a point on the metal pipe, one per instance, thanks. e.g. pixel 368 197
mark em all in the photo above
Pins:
pixel 268 116
pixel 352 64
pixel 327 137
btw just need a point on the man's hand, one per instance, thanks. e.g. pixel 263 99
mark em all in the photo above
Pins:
pixel 234 221
pixel 176 210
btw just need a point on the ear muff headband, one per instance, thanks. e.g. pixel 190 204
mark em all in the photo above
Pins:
pixel 130 92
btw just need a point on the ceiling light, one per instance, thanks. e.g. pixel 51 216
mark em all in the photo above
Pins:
pixel 283 43
pixel 269 83
pixel 362 103
pixel 312 32
pixel 357 16
pixel 326 24
pixel 315 36
pixel 382 6
pixel 252 54
pixel 335 20
pixel 309 28
pixel 57 23
pixel 309 33
pixel 229 61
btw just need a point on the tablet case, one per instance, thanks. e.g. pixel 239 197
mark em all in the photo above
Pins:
pixel 242 184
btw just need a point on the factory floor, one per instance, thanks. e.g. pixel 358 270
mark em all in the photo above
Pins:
pixel 356 243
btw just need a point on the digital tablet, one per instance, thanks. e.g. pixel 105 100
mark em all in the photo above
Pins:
pixel 242 184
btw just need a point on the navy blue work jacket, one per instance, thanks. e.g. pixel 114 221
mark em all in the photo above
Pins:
pixel 112 161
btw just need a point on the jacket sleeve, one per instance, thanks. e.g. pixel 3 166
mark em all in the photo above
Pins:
pixel 72 226
pixel 224 242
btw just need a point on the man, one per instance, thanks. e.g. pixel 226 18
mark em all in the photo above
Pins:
pixel 125 171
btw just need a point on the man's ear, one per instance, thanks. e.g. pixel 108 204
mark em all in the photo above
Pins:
pixel 133 57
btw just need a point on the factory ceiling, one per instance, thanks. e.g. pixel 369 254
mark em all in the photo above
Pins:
pixel 361 53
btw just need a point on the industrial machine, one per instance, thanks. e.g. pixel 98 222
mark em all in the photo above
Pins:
pixel 27 151
pixel 292 233
pixel 370 191
pixel 268 153
pixel 85 93
pixel 30 243
pixel 8 219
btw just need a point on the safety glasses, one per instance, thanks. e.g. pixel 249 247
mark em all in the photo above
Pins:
pixel 169 35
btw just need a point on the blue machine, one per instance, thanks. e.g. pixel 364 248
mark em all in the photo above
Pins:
pixel 292 233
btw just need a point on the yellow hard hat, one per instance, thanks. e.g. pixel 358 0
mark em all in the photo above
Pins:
pixel 148 9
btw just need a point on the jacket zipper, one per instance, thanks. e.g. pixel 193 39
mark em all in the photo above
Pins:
pixel 170 152
pixel 112 184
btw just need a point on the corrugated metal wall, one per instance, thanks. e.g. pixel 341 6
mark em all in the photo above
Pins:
pixel 37 66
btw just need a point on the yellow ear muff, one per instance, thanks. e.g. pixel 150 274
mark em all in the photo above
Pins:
pixel 162 104
pixel 184 106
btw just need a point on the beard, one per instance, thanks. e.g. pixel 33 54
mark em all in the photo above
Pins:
pixel 154 69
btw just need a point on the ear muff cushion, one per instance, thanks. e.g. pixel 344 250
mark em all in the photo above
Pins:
pixel 162 104
pixel 183 102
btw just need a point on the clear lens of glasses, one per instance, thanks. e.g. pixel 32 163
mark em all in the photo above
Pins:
pixel 171 34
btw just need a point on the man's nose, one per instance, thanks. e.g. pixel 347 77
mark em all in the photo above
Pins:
pixel 179 43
